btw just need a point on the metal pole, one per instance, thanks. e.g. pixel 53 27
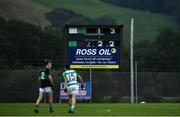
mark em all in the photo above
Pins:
pixel 132 62
pixel 136 82
pixel 90 76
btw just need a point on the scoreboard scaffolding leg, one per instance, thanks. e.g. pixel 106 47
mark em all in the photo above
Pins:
pixel 90 76
pixel 132 61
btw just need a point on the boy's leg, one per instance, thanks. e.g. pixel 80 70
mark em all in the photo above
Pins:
pixel 38 102
pixel 73 103
pixel 50 97
pixel 69 102
pixel 72 91
pixel 73 98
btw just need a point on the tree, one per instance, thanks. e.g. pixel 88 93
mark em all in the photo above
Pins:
pixel 24 44
pixel 168 44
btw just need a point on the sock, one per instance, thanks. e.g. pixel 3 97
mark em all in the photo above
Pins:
pixel 72 107
pixel 50 106
pixel 69 106
pixel 37 107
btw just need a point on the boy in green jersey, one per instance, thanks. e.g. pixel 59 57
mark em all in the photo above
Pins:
pixel 46 85
pixel 71 86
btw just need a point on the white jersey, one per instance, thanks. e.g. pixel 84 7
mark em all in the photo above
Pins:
pixel 71 77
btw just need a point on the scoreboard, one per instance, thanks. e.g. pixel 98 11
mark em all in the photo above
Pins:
pixel 94 46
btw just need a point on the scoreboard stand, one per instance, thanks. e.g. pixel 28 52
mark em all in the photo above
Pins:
pixel 94 46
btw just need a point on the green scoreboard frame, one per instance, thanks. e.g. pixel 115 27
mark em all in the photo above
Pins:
pixel 94 46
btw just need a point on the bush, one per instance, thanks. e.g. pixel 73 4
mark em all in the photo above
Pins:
pixel 125 99
pixel 170 99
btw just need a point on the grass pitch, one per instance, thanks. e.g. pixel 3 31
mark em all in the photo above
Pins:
pixel 118 109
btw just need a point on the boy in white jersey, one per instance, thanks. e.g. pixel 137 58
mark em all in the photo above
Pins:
pixel 71 86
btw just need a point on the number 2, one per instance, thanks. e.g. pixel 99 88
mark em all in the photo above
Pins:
pixel 111 43
pixel 100 43
pixel 42 75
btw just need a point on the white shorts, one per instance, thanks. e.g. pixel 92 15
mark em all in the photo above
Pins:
pixel 73 89
pixel 45 89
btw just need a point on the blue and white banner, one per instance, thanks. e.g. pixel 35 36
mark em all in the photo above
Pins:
pixel 95 57
pixel 83 94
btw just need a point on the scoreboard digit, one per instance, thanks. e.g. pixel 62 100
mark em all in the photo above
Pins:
pixel 94 46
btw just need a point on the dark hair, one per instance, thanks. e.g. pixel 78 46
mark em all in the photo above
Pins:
pixel 46 61
pixel 67 66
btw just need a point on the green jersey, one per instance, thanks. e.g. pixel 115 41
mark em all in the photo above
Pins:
pixel 71 77
pixel 44 78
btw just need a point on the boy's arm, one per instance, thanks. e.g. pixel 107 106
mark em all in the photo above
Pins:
pixel 65 85
pixel 39 79
pixel 83 83
pixel 65 80
pixel 81 79
pixel 51 80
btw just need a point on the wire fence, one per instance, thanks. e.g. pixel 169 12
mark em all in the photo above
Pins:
pixel 108 86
